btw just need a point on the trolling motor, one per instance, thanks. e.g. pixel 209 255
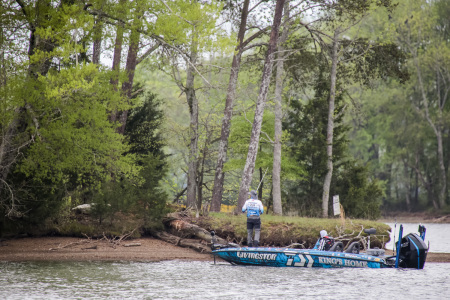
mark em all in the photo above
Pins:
pixel 216 246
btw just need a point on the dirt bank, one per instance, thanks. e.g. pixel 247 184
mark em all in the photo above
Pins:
pixel 74 249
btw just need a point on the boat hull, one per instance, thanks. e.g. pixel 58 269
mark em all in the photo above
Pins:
pixel 287 257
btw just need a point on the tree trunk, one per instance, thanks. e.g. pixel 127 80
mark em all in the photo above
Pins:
pixel 97 45
pixel 330 127
pixel 201 174
pixel 10 150
pixel 276 170
pixel 116 63
pixel 130 68
pixel 407 187
pixel 437 129
pixel 257 122
pixel 193 127
pixel 228 112
pixel 430 194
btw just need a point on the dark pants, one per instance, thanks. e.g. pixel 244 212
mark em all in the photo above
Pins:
pixel 253 224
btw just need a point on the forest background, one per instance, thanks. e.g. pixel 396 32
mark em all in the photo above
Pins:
pixel 133 105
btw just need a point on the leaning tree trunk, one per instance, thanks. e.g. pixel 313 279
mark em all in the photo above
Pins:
pixel 330 127
pixel 193 127
pixel 130 68
pixel 228 112
pixel 276 170
pixel 257 122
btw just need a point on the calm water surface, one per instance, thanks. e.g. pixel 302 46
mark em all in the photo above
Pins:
pixel 195 280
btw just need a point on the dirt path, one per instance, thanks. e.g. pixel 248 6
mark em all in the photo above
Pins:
pixel 75 249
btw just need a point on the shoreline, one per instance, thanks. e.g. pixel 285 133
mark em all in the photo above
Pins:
pixel 80 249
pixel 136 250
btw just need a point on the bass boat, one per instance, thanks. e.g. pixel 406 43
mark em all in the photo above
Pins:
pixel 411 252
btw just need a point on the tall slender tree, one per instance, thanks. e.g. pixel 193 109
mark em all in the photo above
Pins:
pixel 228 112
pixel 264 87
pixel 276 170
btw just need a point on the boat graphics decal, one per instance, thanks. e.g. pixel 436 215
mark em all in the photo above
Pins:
pixel 298 258
pixel 305 260
pixel 308 261
pixel 251 255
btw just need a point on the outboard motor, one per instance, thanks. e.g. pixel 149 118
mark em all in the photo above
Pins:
pixel 413 252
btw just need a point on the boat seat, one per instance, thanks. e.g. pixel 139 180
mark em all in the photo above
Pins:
pixel 337 247
pixel 353 248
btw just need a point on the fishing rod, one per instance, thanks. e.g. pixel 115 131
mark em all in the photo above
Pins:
pixel 261 180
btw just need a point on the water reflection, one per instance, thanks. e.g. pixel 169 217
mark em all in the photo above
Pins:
pixel 192 280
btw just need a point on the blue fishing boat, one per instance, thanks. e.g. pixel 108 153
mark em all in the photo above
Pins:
pixel 411 252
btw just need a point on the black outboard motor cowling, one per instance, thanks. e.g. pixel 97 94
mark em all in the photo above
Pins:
pixel 413 252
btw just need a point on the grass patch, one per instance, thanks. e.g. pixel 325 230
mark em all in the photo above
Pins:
pixel 280 231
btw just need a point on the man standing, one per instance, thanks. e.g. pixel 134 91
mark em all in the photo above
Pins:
pixel 254 208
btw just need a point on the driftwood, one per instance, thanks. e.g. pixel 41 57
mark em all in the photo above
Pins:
pixel 132 244
pixel 184 228
pixel 187 243
pixel 116 240
pixel 88 248
pixel 70 245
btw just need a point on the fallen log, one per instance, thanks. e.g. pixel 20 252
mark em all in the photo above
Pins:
pixel 187 229
pixel 186 243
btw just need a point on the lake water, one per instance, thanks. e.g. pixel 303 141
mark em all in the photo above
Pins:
pixel 195 280
pixel 438 235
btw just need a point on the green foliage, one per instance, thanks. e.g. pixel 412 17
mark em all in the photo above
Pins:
pixel 360 197
pixel 394 132
pixel 307 128
pixel 372 61
pixel 240 136
pixel 75 136
pixel 143 131
pixel 143 127
pixel 56 106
